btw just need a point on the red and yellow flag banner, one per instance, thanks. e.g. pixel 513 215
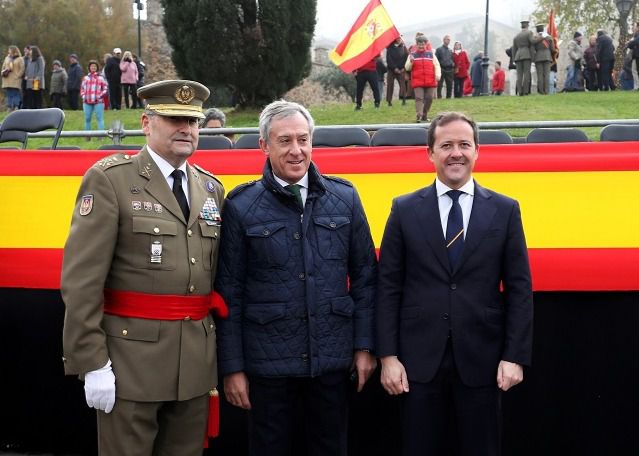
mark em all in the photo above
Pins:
pixel 370 34
pixel 552 31
pixel 581 222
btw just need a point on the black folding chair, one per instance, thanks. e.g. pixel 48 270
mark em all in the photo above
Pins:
pixel 214 142
pixel 556 135
pixel 248 141
pixel 340 137
pixel 391 136
pixel 494 137
pixel 18 124
pixel 619 133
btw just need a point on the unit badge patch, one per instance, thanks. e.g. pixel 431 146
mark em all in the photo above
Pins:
pixel 86 205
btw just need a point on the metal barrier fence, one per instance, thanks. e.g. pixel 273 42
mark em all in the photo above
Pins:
pixel 117 132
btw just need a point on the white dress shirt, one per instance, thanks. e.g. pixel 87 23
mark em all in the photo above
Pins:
pixel 445 202
pixel 303 183
pixel 166 169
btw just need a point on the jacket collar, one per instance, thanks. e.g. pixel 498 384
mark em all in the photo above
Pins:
pixel 316 185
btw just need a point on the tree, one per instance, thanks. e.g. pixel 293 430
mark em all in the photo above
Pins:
pixel 257 49
pixel 88 28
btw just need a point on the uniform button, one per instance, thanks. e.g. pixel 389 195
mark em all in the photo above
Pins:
pixel 453 286
pixel 445 316
pixel 297 236
pixel 189 232
pixel 266 232
pixel 332 224
pixel 192 260
pixel 191 288
pixel 187 318
pixel 211 326
pixel 214 235
pixel 304 356
pixel 302 276
pixel 64 360
pixel 125 332
pixel 156 230
pixel 126 157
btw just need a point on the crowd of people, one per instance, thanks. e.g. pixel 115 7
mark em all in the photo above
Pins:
pixel 422 73
pixel 97 89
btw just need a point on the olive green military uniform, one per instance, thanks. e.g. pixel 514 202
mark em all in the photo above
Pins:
pixel 124 208
pixel 544 49
pixel 523 53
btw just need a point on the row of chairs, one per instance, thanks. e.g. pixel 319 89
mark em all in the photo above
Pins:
pixel 18 124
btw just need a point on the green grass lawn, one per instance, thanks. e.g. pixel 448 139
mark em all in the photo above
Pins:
pixel 562 106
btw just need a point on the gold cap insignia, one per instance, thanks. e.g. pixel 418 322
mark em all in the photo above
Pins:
pixel 184 94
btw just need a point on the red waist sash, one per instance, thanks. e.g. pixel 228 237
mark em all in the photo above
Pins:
pixel 162 307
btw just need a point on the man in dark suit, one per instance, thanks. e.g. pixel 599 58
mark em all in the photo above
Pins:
pixel 454 313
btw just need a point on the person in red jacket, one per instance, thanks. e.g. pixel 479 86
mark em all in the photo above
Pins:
pixel 462 65
pixel 425 72
pixel 499 79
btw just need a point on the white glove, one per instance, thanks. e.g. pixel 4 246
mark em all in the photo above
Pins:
pixel 99 388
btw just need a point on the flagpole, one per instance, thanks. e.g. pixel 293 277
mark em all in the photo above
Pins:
pixel 484 64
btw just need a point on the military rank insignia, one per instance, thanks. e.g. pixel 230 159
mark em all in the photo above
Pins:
pixel 86 205
pixel 210 213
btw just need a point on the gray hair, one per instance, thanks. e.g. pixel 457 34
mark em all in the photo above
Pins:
pixel 279 110
pixel 213 114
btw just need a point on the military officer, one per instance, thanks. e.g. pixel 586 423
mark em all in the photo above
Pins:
pixel 544 50
pixel 523 51
pixel 137 278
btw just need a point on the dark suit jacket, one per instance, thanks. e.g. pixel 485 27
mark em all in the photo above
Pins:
pixel 486 303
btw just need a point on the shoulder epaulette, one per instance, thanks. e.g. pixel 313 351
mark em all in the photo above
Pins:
pixel 240 188
pixel 113 160
pixel 208 173
pixel 339 179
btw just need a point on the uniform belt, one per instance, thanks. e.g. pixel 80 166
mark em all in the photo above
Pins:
pixel 162 307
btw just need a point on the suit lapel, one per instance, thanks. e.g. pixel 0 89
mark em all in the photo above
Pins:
pixel 428 221
pixel 156 185
pixel 481 218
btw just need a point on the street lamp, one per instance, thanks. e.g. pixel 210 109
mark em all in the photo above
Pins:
pixel 485 59
pixel 624 6
pixel 140 7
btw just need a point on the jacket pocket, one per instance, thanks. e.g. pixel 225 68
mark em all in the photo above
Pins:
pixel 343 306
pixel 265 313
pixel 267 244
pixel 210 243
pixel 154 245
pixel 333 236
pixel 132 328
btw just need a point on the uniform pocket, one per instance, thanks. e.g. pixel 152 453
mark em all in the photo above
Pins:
pixel 154 244
pixel 210 243
pixel 144 330
pixel 267 244
pixel 333 236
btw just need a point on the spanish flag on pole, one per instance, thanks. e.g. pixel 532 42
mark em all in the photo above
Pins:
pixel 372 32
pixel 552 31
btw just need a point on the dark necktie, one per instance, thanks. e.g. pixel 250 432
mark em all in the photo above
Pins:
pixel 295 190
pixel 179 193
pixel 454 229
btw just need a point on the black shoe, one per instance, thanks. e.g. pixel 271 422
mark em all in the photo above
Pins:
pixel 358 108
pixel 403 101
pixel 376 105
pixel 390 104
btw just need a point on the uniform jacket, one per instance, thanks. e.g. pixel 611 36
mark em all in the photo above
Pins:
pixel 14 78
pixel 421 299
pixel 544 48
pixel 299 286
pixel 109 248
pixel 424 67
pixel 523 46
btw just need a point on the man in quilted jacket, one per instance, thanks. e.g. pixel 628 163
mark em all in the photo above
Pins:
pixel 298 271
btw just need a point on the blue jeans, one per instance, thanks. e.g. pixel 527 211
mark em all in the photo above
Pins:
pixel 89 109
pixel 13 98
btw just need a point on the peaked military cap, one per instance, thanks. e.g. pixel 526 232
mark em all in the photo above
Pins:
pixel 175 98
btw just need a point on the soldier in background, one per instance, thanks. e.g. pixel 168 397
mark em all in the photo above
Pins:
pixel 544 50
pixel 523 51
pixel 137 281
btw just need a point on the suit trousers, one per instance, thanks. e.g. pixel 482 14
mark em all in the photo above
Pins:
pixel 523 77
pixel 446 417
pixel 447 77
pixel 174 428
pixel 391 77
pixel 279 404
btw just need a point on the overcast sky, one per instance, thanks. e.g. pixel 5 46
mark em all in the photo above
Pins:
pixel 335 17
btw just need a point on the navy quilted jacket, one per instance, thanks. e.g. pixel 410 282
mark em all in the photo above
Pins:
pixel 300 287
